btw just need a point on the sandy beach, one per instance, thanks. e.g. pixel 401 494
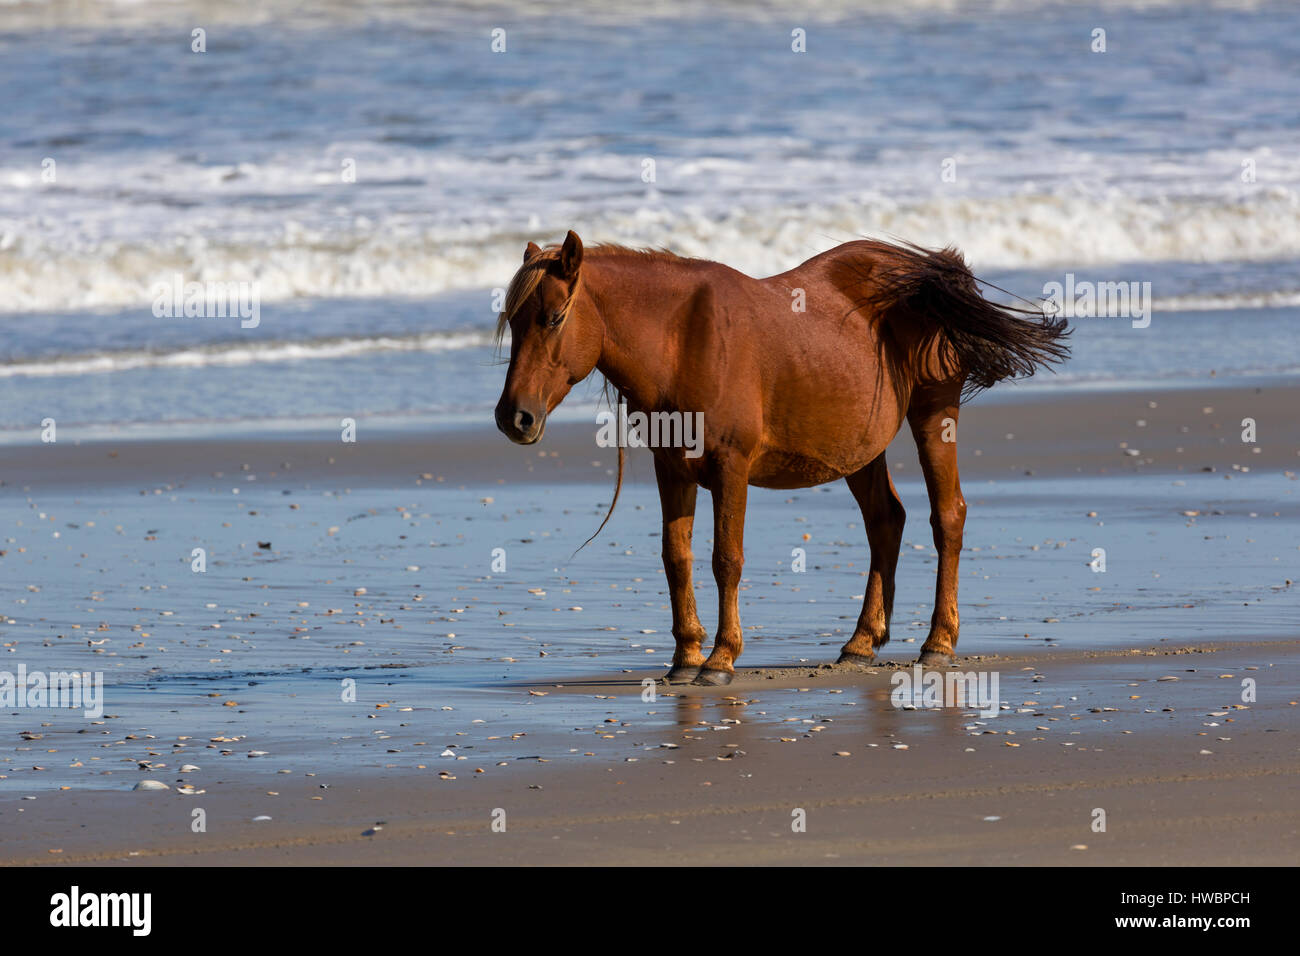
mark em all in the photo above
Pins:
pixel 370 566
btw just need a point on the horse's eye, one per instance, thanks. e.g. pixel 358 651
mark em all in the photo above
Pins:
pixel 554 320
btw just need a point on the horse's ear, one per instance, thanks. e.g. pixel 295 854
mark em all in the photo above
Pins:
pixel 570 255
pixel 532 250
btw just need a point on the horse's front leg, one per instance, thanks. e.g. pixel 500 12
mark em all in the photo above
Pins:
pixel 729 493
pixel 677 500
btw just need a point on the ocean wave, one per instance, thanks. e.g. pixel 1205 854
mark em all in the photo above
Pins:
pixel 376 258
pixel 1227 301
pixel 241 354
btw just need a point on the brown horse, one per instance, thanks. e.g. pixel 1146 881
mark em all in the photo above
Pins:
pixel 802 378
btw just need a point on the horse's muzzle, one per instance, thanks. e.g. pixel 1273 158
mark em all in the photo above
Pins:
pixel 521 425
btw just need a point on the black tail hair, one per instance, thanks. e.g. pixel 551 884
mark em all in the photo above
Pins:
pixel 990 342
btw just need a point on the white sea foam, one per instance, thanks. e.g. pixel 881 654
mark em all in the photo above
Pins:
pixel 1227 301
pixel 236 355
pixel 376 259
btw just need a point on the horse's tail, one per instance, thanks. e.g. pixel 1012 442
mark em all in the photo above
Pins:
pixel 990 342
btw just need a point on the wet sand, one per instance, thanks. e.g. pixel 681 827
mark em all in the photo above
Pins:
pixel 1183 772
pixel 475 688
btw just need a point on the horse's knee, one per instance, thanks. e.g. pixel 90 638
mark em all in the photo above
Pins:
pixel 949 520
pixel 678 562
pixel 727 567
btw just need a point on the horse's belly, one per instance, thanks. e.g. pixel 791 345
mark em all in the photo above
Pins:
pixel 785 469
pixel 806 449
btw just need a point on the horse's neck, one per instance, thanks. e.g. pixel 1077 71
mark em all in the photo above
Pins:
pixel 635 300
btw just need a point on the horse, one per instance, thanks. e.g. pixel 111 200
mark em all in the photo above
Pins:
pixel 802 378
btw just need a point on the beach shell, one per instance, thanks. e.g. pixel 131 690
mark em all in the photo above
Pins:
pixel 151 785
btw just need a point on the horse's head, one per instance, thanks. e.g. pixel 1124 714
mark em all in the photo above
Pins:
pixel 555 338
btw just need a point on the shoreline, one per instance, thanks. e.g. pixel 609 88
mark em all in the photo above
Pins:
pixel 1061 433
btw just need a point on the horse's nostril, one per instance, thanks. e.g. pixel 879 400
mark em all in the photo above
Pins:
pixel 523 420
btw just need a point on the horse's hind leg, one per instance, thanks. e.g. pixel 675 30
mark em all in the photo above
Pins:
pixel 883 515
pixel 933 417
pixel 677 499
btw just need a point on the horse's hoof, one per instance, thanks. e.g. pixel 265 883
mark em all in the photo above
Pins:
pixel 681 675
pixel 935 659
pixel 862 660
pixel 712 678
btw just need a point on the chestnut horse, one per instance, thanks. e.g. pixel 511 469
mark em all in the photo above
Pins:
pixel 802 378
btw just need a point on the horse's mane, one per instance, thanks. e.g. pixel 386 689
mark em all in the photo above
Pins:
pixel 522 286
pixel 529 275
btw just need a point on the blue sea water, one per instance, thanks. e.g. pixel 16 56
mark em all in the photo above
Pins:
pixel 374 171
